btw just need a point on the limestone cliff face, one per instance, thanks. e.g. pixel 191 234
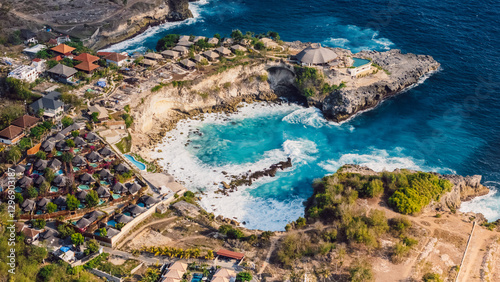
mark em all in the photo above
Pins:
pixel 405 70
pixel 464 189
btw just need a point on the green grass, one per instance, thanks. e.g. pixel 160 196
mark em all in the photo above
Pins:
pixel 125 144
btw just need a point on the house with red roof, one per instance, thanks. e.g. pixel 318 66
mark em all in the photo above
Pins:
pixel 116 58
pixel 86 57
pixel 86 67
pixel 63 49
pixel 11 135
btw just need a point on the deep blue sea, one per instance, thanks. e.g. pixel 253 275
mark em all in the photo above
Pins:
pixel 450 123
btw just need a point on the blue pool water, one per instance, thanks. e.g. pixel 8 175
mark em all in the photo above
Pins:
pixel 60 172
pixel 54 189
pixel 116 196
pixel 449 124
pixel 127 213
pixel 140 205
pixel 111 223
pixel 137 163
pixel 359 62
pixel 105 183
pixel 84 187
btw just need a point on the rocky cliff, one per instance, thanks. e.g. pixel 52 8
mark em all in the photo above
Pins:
pixel 403 70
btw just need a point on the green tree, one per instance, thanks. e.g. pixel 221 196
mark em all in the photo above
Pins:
pixel 51 63
pixel 39 223
pixel 41 155
pixel 43 54
pixel 244 276
pixel 67 157
pixel 92 247
pixel 274 35
pixel 259 45
pixel 72 202
pixel 67 121
pixel 360 272
pixel 217 36
pixel 65 230
pixel 92 199
pixel 14 154
pixel 167 42
pixel 75 133
pixel 119 225
pixel 128 120
pixel 49 174
pixel 236 35
pixel 31 193
pixel 10 113
pixel 19 198
pixel 44 187
pixel 127 108
pixel 77 239
pixel 94 117
pixel 19 90
pixel 51 207
pixel 103 232
pixel 70 143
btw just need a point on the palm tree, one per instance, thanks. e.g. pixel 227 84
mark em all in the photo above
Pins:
pixel 14 154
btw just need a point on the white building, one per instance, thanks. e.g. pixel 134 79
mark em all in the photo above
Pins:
pixel 33 50
pixel 38 64
pixel 26 73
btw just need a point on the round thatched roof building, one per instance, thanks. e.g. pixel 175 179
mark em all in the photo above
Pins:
pixel 316 55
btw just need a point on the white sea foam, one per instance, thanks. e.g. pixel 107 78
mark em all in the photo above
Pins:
pixel 137 40
pixel 178 160
pixel 488 205
pixel 307 116
pixel 356 36
pixel 380 160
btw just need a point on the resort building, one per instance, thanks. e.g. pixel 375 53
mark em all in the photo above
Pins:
pixel 26 73
pixel 63 50
pixel 228 41
pixel 198 58
pixel 11 135
pixel 238 47
pixel 169 54
pixel 33 50
pixel 102 113
pixel 181 49
pixel 86 67
pixel 28 36
pixel 185 43
pixel 148 63
pixel 213 41
pixel 49 104
pixel 153 56
pixel 198 38
pixel 184 38
pixel 117 59
pixel 188 64
pixel 25 122
pixel 223 51
pixel 211 55
pixel 315 55
pixel 38 64
pixel 269 43
pixel 85 57
pixel 62 73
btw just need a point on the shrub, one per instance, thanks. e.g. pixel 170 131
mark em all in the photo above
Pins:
pixel 360 272
pixel 65 230
pixel 399 225
pixel 51 207
pixel 235 234
pixel 66 121
pixel 432 277
pixel 39 223
pixel 77 239
pixel 374 188
pixel 377 221
pixel 243 276
pixel 329 235
pixel 223 229
pixel 359 232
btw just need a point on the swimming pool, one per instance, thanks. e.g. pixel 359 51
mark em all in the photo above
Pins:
pixel 115 196
pixel 127 214
pixel 197 277
pixel 18 190
pixel 84 187
pixel 358 62
pixel 105 183
pixel 137 163
pixel 54 189
pixel 94 165
pixel 59 172
pixel 141 205
pixel 111 223
pixel 75 169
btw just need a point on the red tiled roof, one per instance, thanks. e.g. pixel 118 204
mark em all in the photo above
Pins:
pixel 52 41
pixel 104 54
pixel 25 121
pixel 115 57
pixel 31 233
pixel 37 60
pixel 86 66
pixel 63 49
pixel 85 57
pixel 57 58
pixel 11 132
pixel 230 254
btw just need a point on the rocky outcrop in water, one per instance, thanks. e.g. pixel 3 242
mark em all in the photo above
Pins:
pixel 404 70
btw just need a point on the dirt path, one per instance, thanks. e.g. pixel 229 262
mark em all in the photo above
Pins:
pixel 135 233
pixel 472 263
pixel 269 253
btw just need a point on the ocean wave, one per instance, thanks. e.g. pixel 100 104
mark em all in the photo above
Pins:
pixel 307 116
pixel 488 205
pixel 358 39
pixel 380 160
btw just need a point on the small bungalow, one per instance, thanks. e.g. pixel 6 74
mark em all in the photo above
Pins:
pixel 62 146
pixel 50 235
pixel 32 51
pixel 79 161
pixel 54 164
pixel 133 188
pixel 91 137
pixel 228 41
pixel 79 142
pixel 11 135
pixel 28 205
pixel 25 122
pixel 199 58
pixel 223 51
pixel 122 218
pixel 60 202
pixel 188 64
pixel 121 168
pixel 94 215
pixel 111 232
pixel 28 36
pixel 68 129
pixel 104 174
pixel 39 180
pixel 148 201
pixel 83 224
pixel 269 43
pixel 211 55
pixel 19 169
pixel 198 38
pixel 64 50
pixel 48 145
pixel 184 38
pixel 62 73
pixel 106 152
pixel 119 188
pixel 180 266
pixel 87 67
pixel 60 181
pixel 81 195
pixel 59 136
pixel 238 47
pixel 174 274
pixel 315 55
pixel 169 54
pixel 25 182
pixel 185 43
pixel 181 49
pixel 31 234
pixel 86 57
pixel 102 113
pixel 86 179
pixel 153 56
pixel 117 59
pixel 225 274
pixel 213 41
pixel 245 42
pixel 148 63
pixel 135 210
pixel 103 192
pixel 42 204
pixel 94 157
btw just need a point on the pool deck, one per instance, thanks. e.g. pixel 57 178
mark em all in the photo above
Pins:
pixel 163 179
